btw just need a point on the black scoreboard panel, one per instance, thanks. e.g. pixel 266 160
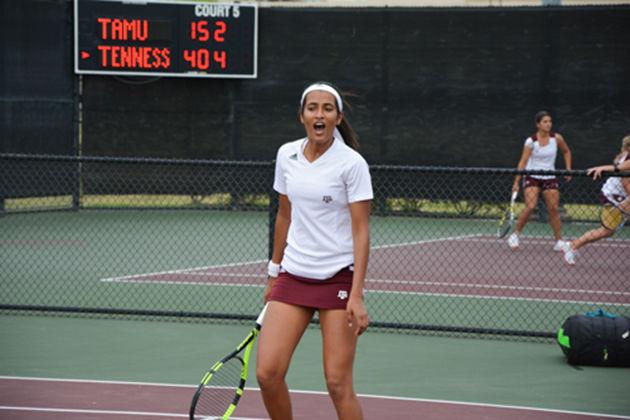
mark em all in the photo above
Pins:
pixel 160 38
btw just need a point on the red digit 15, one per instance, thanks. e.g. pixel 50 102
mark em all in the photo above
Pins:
pixel 199 31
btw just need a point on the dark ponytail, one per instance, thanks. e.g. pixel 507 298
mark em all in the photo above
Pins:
pixel 349 135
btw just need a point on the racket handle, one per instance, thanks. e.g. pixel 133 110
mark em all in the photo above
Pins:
pixel 514 195
pixel 260 318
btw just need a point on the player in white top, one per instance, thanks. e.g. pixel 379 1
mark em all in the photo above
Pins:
pixel 615 199
pixel 321 236
pixel 539 153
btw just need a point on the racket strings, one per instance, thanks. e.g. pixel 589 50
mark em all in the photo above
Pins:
pixel 612 217
pixel 504 223
pixel 218 394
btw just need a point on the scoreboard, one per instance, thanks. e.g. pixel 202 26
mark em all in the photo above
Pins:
pixel 162 38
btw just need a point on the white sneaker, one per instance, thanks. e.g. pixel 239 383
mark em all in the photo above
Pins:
pixel 569 255
pixel 560 245
pixel 513 241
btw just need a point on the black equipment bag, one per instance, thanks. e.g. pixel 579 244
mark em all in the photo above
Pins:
pixel 597 339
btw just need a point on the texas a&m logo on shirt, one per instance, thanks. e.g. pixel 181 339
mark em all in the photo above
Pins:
pixel 327 199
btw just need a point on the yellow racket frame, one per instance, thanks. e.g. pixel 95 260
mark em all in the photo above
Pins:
pixel 611 217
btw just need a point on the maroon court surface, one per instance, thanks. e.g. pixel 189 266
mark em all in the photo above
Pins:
pixel 463 266
pixel 38 399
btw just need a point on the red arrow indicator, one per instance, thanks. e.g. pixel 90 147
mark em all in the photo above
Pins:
pixel 85 54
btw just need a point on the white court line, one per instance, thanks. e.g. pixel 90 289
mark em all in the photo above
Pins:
pixel 187 283
pixel 371 396
pixel 187 271
pixel 551 240
pixel 498 287
pixel 109 412
pixel 368 281
pixel 194 272
pixel 392 292
pixel 471 238
pixel 85 411
pixel 501 298
pixel 539 240
pixel 182 270
pixel 427 241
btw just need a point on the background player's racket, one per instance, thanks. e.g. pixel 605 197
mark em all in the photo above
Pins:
pixel 507 218
pixel 223 385
pixel 613 217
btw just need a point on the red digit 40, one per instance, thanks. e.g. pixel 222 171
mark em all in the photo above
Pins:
pixel 202 59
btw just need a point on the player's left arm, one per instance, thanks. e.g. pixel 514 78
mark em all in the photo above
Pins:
pixel 566 153
pixel 360 215
pixel 624 166
pixel 596 171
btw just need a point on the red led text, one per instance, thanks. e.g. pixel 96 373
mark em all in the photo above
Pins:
pixel 199 31
pixel 134 57
pixel 124 29
pixel 203 59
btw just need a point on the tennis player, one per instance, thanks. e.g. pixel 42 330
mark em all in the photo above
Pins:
pixel 320 253
pixel 539 153
pixel 614 197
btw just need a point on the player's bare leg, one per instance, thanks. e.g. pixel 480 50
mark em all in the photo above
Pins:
pixel 284 326
pixel 552 200
pixel 339 346
pixel 530 196
pixel 591 236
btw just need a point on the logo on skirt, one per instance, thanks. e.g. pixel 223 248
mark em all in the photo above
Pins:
pixel 342 295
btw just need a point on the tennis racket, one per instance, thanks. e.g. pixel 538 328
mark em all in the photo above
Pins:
pixel 507 218
pixel 613 217
pixel 223 385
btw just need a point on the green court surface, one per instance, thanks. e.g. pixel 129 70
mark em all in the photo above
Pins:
pixel 428 367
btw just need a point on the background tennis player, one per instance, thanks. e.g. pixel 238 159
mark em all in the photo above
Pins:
pixel 539 153
pixel 614 197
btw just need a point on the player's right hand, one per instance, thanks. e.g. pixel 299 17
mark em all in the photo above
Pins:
pixel 596 171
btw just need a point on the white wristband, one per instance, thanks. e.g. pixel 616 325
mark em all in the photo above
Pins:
pixel 273 269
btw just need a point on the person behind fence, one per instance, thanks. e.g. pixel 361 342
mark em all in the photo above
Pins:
pixel 614 198
pixel 539 153
pixel 320 253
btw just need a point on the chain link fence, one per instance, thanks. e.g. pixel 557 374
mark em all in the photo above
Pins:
pixel 190 240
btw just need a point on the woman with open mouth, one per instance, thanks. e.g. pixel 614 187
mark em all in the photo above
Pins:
pixel 320 253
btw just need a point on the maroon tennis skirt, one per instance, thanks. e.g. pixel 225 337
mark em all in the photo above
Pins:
pixel 543 184
pixel 332 293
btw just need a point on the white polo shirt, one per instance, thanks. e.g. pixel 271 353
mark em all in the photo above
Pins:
pixel 542 157
pixel 319 242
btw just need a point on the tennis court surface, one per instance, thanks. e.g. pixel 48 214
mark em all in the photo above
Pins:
pixel 436 266
pixel 68 399
pixel 115 304
pixel 65 368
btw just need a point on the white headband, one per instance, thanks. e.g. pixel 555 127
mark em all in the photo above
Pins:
pixel 325 88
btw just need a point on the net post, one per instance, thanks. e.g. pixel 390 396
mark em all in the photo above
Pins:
pixel 77 140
